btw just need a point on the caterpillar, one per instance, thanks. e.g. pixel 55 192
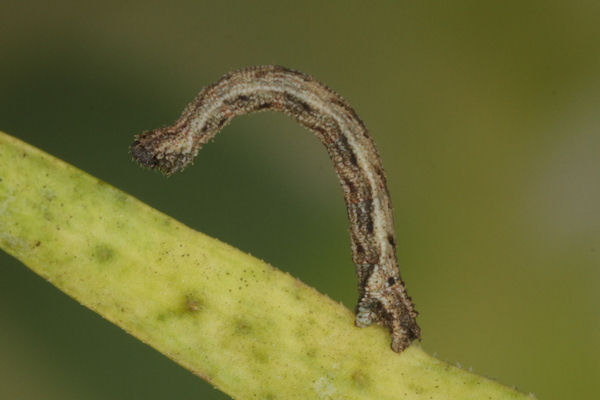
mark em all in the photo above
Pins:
pixel 382 293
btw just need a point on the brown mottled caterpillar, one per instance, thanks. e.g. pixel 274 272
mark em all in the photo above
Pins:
pixel 382 294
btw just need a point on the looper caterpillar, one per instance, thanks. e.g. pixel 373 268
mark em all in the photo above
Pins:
pixel 382 294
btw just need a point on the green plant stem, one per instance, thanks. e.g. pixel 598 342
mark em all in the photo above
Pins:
pixel 251 330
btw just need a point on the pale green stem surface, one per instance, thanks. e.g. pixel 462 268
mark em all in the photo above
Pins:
pixel 249 329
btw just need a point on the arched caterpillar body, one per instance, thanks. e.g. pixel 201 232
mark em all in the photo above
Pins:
pixel 382 294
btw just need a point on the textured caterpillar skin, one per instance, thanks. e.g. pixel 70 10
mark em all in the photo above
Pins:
pixel 382 294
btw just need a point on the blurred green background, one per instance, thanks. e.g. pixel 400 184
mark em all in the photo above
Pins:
pixel 487 120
